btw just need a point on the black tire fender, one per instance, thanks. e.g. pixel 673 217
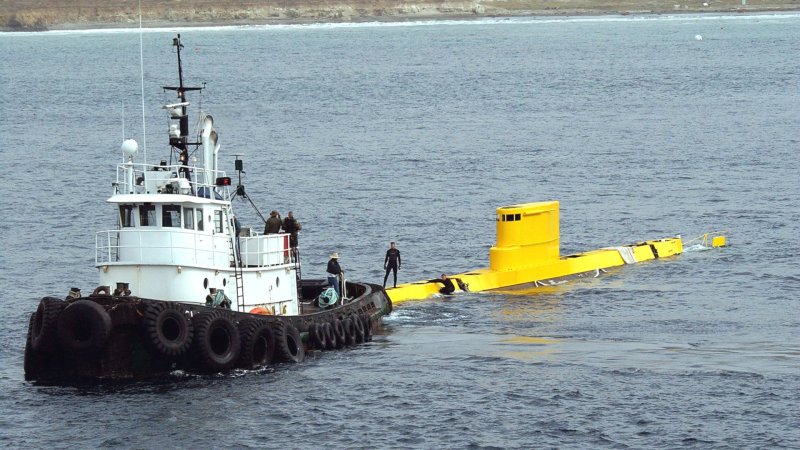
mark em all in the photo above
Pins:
pixel 317 339
pixel 84 328
pixel 168 330
pixel 101 290
pixel 338 332
pixel 359 328
pixel 216 341
pixel 330 336
pixel 367 327
pixel 288 344
pixel 258 344
pixel 349 332
pixel 28 361
pixel 45 324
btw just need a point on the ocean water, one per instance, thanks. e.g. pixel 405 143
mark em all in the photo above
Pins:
pixel 641 127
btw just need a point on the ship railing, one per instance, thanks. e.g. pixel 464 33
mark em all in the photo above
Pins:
pixel 259 250
pixel 188 247
pixel 136 178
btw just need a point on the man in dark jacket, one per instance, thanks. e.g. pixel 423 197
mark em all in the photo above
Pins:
pixel 291 226
pixel 273 225
pixel 391 263
pixel 334 270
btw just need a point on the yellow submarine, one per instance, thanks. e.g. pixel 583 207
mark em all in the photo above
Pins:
pixel 527 255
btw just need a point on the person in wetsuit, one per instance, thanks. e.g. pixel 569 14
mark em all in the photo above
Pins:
pixel 448 288
pixel 391 263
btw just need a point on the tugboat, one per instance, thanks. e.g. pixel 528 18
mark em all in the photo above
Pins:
pixel 177 252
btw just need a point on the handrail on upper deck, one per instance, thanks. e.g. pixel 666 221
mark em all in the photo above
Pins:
pixel 136 182
pixel 178 242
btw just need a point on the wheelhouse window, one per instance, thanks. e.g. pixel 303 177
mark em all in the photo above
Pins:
pixel 170 216
pixel 218 221
pixel 126 215
pixel 147 215
pixel 188 218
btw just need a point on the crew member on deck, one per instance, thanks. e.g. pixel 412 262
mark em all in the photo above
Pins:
pixel 273 225
pixel 334 270
pixel 448 288
pixel 391 263
pixel 292 226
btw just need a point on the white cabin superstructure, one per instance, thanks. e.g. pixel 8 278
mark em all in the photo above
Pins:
pixel 177 238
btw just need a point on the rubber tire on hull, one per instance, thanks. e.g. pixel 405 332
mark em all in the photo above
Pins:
pixel 216 341
pixel 367 327
pixel 349 332
pixel 338 332
pixel 27 364
pixel 330 337
pixel 168 330
pixel 289 344
pixel 106 290
pixel 317 336
pixel 258 344
pixel 45 325
pixel 359 328
pixel 84 328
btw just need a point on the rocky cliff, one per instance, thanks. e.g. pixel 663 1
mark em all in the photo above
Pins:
pixel 66 14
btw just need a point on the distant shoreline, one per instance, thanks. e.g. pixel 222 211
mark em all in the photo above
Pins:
pixel 427 15
pixel 428 18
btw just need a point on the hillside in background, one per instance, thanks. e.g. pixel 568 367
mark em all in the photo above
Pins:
pixel 18 15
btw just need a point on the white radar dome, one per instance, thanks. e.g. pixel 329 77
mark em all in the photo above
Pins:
pixel 129 147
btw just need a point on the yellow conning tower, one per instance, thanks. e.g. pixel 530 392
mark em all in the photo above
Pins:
pixel 527 235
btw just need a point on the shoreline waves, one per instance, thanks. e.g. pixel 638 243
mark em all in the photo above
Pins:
pixel 54 23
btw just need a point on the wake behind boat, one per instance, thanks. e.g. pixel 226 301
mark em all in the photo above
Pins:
pixel 193 290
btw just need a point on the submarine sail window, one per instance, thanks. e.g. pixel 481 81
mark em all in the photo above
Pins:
pixel 147 215
pixel 126 215
pixel 170 216
pixel 510 217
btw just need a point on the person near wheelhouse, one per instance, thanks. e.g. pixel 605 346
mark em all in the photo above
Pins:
pixel 391 263
pixel 292 226
pixel 273 225
pixel 334 271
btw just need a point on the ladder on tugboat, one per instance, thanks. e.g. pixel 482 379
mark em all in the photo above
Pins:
pixel 237 271
pixel 295 255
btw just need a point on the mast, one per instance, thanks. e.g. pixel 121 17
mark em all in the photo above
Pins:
pixel 178 136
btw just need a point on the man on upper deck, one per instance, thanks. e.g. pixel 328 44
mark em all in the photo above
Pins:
pixel 291 226
pixel 273 225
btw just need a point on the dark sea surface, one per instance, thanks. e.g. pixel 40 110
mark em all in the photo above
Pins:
pixel 641 127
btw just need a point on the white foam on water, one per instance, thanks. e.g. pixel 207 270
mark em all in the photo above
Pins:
pixel 696 248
